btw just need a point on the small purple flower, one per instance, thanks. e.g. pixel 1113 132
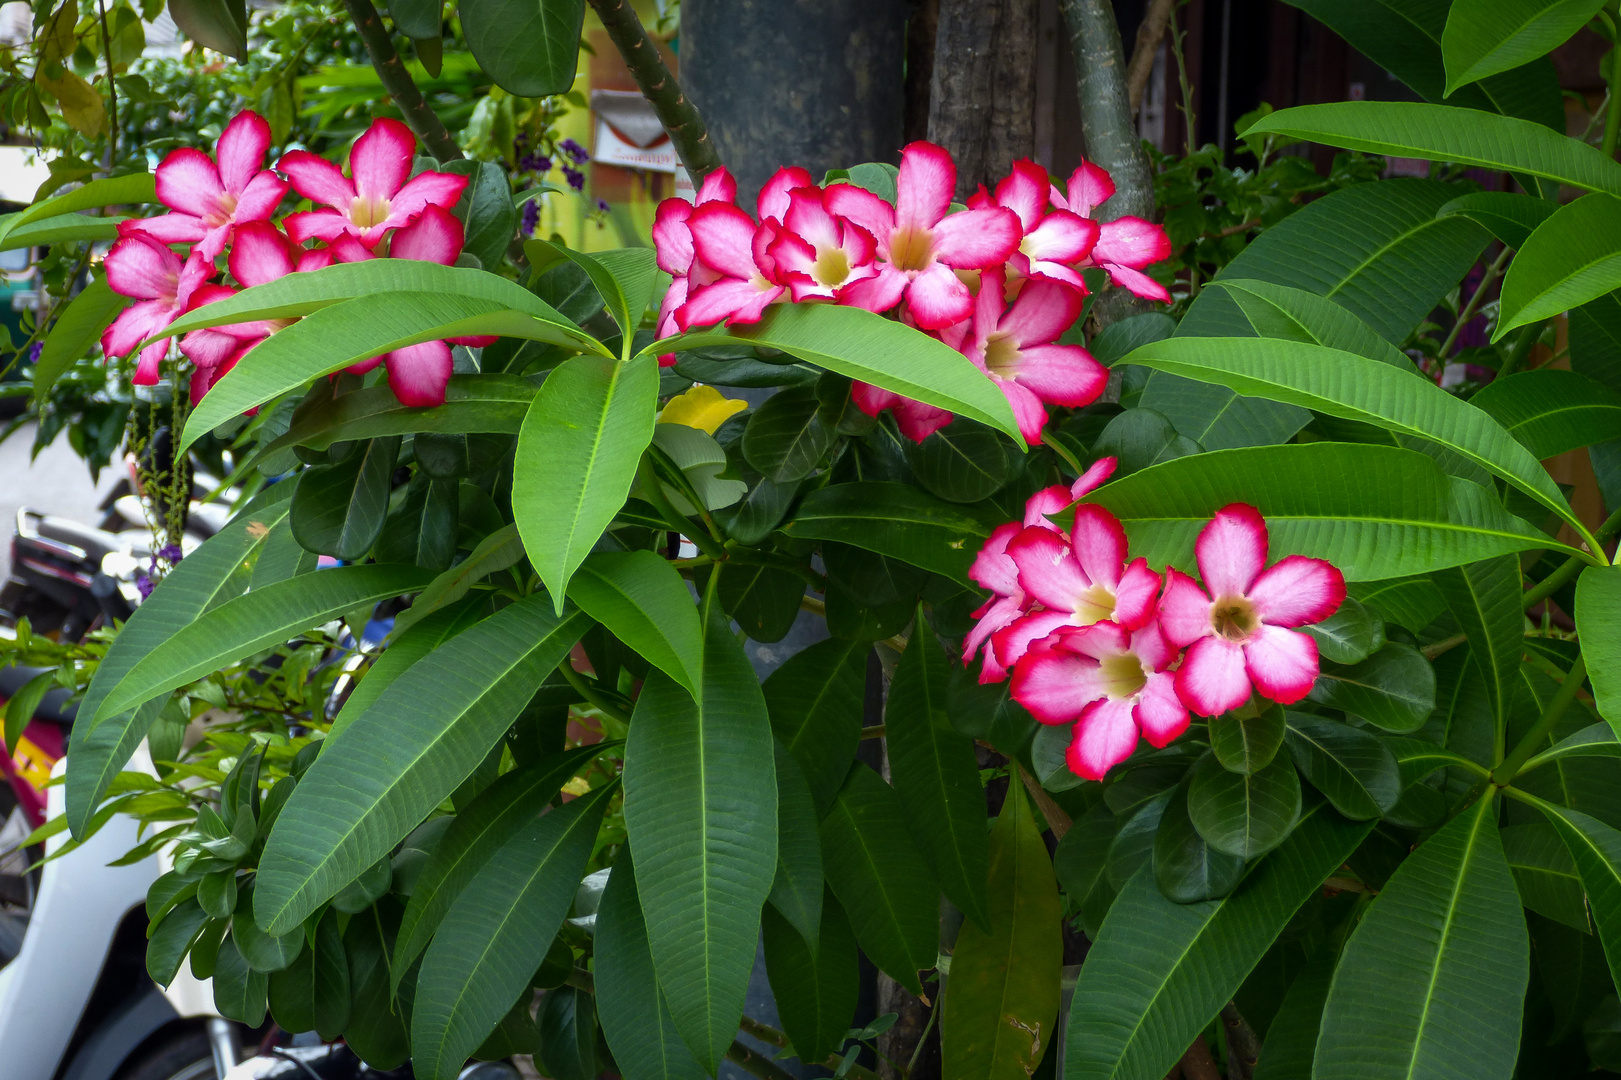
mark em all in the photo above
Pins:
pixel 34 350
pixel 575 151
pixel 170 554
pixel 575 178
pixel 531 216
pixel 143 584
pixel 602 206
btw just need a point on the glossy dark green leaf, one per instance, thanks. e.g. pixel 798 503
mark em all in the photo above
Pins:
pixel 643 602
pixel 763 599
pixel 1545 874
pixel 1079 863
pixel 313 993
pixel 1393 689
pixel 1485 599
pixel 527 47
pixel 262 951
pixel 1293 314
pixel 796 892
pixel 816 987
pixel 1244 815
pixel 869 595
pixel 716 368
pixel 172 937
pixel 338 510
pixel 1598 621
pixel 1444 950
pixel 896 520
pixel 1132 846
pixel 1354 769
pixel 1410 602
pixel 568 1035
pixel 1349 635
pixel 379 1022
pixel 406 646
pixel 485 207
pixel 1186 868
pixel 880 877
pixel 1246 744
pixel 1291 1038
pixel 963 462
pixel 491 402
pixel 1510 216
pixel 1119 338
pixel 220 25
pixel 787 436
pixel 1002 1012
pixel 240 992
pixel 281 557
pixel 1138 438
pixel 815 702
pixel 1485 37
pixel 421 530
pixel 216 892
pixel 366 889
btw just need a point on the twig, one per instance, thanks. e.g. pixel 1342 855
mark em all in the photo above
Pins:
pixel 754 1063
pixel 1468 313
pixel 678 115
pixel 1527 746
pixel 1445 645
pixel 1057 818
pixel 385 60
pixel 1149 35
pixel 876 731
pixel 1197 1064
pixel 112 89
pixel 1243 1048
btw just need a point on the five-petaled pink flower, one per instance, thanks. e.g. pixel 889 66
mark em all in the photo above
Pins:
pixel 672 246
pixel 1124 245
pixel 1112 682
pixel 208 201
pixel 819 255
pixel 1240 634
pixel 727 241
pixel 920 244
pixel 381 196
pixel 1053 237
pixel 141 267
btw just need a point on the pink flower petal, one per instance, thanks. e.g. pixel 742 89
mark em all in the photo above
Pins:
pixel 936 298
pixel 208 348
pixel 1095 476
pixel 716 303
pixel 862 207
pixel 188 181
pixel 346 248
pixel 1232 550
pixel 260 254
pixel 1056 686
pixel 672 242
pixel 717 186
pixel 923 190
pixel 425 189
pixel 315 225
pixel 317 179
pixel 1051 574
pixel 976 239
pixel 1137 283
pixel 774 196
pixel 723 237
pixel 1184 609
pixel 381 159
pixel 1297 590
pixel 1134 597
pixel 1212 679
pixel 873 400
pixel 134 325
pixel 1151 646
pixel 418 373
pixel 1131 241
pixel 1001 612
pixel 260 198
pixel 1099 641
pixel 1048 500
pixel 1024 191
pixel 435 236
pixel 1282 663
pixel 1062 374
pixel 1090 186
pixel 1105 736
pixel 1098 541
pixel 992 568
pixel 918 420
pixel 242 147
pixel 314 259
pixel 1043 311
pixel 1159 712
pixel 1013 641
pixel 879 293
pixel 166 228
pixel 1061 237
pixel 141 267
pixel 147 367
pixel 204 379
pixel 1028 412
pixel 805 216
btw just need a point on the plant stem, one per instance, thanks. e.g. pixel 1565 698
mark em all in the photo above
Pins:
pixel 1510 765
pixel 772 1037
pixel 1492 270
pixel 679 116
pixel 1571 566
pixel 385 59
pixel 1243 1048
pixel 653 491
pixel 593 697
pixel 1445 645
pixel 1058 820
pixel 1522 349
pixel 1149 34
pixel 112 88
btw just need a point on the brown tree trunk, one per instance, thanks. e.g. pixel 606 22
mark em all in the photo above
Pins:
pixel 922 26
pixel 983 94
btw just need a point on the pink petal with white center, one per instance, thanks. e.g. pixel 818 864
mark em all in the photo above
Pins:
pixel 166 228
pixel 873 400
pixel 1212 679
pixel 1043 311
pixel 193 273
pixel 1159 713
pixel 774 196
pixel 1096 475
pixel 999 613
pixel 260 198
pixel 1057 686
pixel 1296 590
pixel 976 239
pixel 208 348
pixel 425 189
pixel 992 568
pixel 435 236
pixel 147 367
pixel 1184 609
pixel 241 148
pixel 1046 501
pixel 1013 641
pixel 1282 663
pixel 1232 550
pixel 918 420
pixel 418 373
pixel 1131 241
pixel 1062 374
pixel 723 237
pixel 1135 595
pixel 1098 541
pixel 936 298
pixel 1061 237
pixel 672 243
pixel 1137 283
pixel 317 179
pixel 806 216
pixel 141 267
pixel 381 159
pixel 260 254
pixel 717 186
pixel 862 207
pixel 924 187
pixel 188 181
pixel 1089 187
pixel 134 325
pixel 1050 573
pixel 760 249
pixel 728 299
pixel 1024 191
pixel 315 225
pixel 1105 736
pixel 1028 412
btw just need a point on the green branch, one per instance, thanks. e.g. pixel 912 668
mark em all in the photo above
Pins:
pixel 385 59
pixel 1527 746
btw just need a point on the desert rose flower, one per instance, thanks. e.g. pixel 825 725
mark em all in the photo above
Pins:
pixel 727 240
pixel 207 201
pixel 672 246
pixel 1124 245
pixel 141 267
pixel 1240 635
pixel 1053 237
pixel 1112 682
pixel 379 195
pixel 819 255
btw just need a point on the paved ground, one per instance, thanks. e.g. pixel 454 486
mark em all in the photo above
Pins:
pixel 57 482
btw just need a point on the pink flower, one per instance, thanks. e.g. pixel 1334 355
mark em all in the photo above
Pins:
pixel 919 244
pixel 1018 349
pixel 1052 237
pixel 141 267
pixel 380 196
pixel 1244 637
pixel 728 241
pixel 995 570
pixel 819 255
pixel 917 420
pixel 207 200
pixel 672 245
pixel 1126 244
pixel 1113 682
pixel 778 191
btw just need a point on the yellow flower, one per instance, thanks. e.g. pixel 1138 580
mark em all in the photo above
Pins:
pixel 702 407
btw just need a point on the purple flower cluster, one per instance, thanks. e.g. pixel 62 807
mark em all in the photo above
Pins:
pixel 34 350
pixel 531 216
pixel 574 151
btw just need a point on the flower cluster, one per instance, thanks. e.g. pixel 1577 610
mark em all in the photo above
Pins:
pixel 999 281
pixel 1108 645
pixel 222 210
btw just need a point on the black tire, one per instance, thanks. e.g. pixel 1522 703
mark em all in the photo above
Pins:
pixel 182 1056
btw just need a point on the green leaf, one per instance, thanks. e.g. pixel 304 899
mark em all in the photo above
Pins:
pixel 171 938
pixel 1595 740
pixel 1349 635
pixel 624 277
pixel 1485 599
pixel 1551 411
pixel 496 552
pixel 1246 744
pixel 1002 1011
pixel 220 25
pixel 816 988
pixel 527 47
pixel 399 759
pixel 1278 311
pixel 763 599
pixel 787 436
pixel 1545 874
pixel 1598 622
pixel 643 602
pixel 881 878
pixel 1159 971
pixel 631 1006
pixel 500 812
pixel 1596 849
pixel 1375 512
pixel 485 206
pixel 1393 689
pixel 1186 868
pixel 1140 437
pixel 239 991
pixel 417 19
pixel 1354 769
pixel 497 932
pixel 404 649
pixel 963 462
pixel 577 457
pixel 1569 260
pixel 1243 815
pixel 281 558
pixel 256 621
pixel 936 774
pixel 77 328
pixel 796 891
pixel 896 520
pixel 1442 133
pixel 1484 37
pixel 869 347
pixel 1080 863
pixel 63 228
pixel 1511 216
pixel 1356 388
pixel 313 994
pixel 110 191
pixel 1445 953
pixel 1291 1038
pixel 492 402
pixel 98 754
pixel 261 951
pixel 20 709
pixel 701 812
pixel 379 1021
pixel 815 701
pixel 338 510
